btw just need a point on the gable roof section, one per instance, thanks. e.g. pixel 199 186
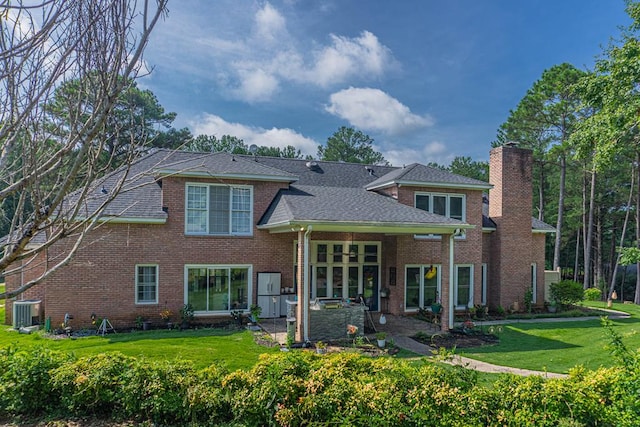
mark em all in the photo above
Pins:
pixel 218 165
pixel 420 175
pixel 326 174
pixel 350 209
pixel 140 198
pixel 541 227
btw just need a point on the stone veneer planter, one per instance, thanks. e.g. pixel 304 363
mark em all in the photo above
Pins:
pixel 331 323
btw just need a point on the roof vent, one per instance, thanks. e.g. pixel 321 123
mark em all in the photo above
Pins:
pixel 313 165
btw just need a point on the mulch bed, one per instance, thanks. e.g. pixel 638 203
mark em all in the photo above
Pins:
pixel 458 340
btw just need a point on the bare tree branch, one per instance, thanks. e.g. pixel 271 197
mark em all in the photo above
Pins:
pixel 52 151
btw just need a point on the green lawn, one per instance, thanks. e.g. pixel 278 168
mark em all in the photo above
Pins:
pixel 557 347
pixel 237 350
pixel 554 347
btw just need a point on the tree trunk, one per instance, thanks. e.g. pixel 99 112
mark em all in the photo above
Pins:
pixel 624 231
pixel 576 263
pixel 541 204
pixel 589 234
pixel 597 267
pixel 636 298
pixel 561 194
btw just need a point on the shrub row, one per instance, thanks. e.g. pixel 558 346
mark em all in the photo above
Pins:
pixel 301 388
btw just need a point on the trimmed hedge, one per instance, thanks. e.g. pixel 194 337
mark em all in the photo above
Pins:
pixel 301 388
pixel 566 292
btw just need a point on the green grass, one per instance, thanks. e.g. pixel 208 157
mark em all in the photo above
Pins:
pixel 553 347
pixel 559 346
pixel 236 350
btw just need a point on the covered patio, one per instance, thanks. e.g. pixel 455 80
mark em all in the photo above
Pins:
pixel 330 212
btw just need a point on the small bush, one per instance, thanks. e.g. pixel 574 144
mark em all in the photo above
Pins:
pixel 158 391
pixel 592 294
pixel 93 385
pixel 25 386
pixel 567 292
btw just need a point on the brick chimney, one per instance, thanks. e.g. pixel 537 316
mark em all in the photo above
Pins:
pixel 510 205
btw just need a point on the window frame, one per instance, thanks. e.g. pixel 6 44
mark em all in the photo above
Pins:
pixel 430 203
pixel 421 285
pixel 456 287
pixel 138 284
pixel 232 212
pixel 229 268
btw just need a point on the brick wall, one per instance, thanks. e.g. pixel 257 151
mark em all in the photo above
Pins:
pixel 510 205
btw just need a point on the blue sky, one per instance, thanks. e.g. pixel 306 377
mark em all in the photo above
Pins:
pixel 427 80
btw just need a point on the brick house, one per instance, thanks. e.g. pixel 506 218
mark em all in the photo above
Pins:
pixel 199 228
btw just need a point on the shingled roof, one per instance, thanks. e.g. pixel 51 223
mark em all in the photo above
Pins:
pixel 353 207
pixel 417 174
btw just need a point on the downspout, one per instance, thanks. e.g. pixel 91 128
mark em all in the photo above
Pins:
pixel 307 286
pixel 451 278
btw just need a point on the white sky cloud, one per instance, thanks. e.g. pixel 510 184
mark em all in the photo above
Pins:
pixel 373 109
pixel 269 23
pixel 211 124
pixel 435 151
pixel 348 57
pixel 256 85
pixel 269 55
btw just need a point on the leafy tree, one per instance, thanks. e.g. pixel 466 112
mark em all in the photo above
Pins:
pixel 211 144
pixel 95 47
pixel 613 92
pixel 135 119
pixel 470 168
pixel 289 152
pixel 173 139
pixel 352 146
pixel 543 121
pixel 234 145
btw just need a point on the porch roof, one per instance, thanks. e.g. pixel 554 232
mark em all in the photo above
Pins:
pixel 350 210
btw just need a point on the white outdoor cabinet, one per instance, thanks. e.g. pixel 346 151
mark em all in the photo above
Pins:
pixel 268 289
pixel 269 308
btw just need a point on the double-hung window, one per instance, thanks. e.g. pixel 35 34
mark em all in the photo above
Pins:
pixel 219 209
pixel 146 284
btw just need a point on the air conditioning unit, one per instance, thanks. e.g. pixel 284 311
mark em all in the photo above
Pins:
pixel 26 313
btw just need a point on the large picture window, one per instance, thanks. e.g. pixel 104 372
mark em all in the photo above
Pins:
pixel 215 289
pixel 422 286
pixel 146 284
pixel 218 209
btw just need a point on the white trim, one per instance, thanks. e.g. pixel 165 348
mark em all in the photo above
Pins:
pixel 484 284
pixel 344 264
pixel 432 184
pixel 157 267
pixel 456 285
pixel 448 197
pixel 249 268
pixel 130 220
pixel 422 268
pixel 389 228
pixel 201 174
pixel 207 208
pixel 534 282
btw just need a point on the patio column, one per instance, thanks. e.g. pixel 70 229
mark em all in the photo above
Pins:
pixel 303 290
pixel 299 288
pixel 448 280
